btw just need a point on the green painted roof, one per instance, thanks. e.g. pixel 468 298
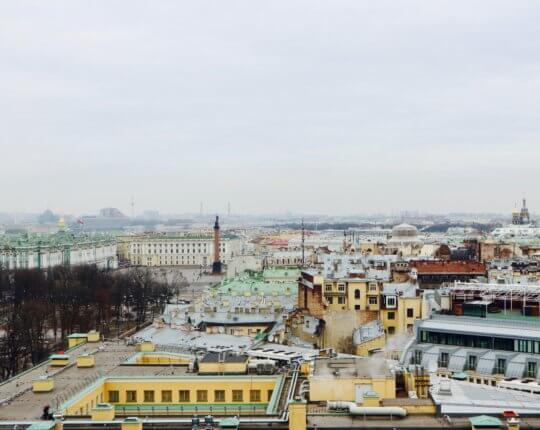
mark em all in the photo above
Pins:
pixel 231 422
pixel 29 241
pixel 255 285
pixel 59 357
pixel 292 273
pixel 460 376
pixel 41 425
pixel 485 421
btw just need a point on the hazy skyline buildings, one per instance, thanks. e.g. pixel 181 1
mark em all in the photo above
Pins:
pixel 309 107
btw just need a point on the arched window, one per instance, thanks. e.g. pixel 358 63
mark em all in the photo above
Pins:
pixel 357 294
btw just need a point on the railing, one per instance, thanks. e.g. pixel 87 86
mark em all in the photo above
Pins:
pixel 175 410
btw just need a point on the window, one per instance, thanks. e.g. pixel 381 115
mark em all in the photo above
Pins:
pixel 391 302
pixel 443 360
pixel 501 366
pixel 471 362
pixel 357 293
pixel 341 287
pixel 410 313
pixel 417 357
pixel 531 369
pixel 237 396
pixel 114 397
pixel 254 395
pixel 391 330
pixel 269 394
pixel 148 396
pixel 341 300
pixel 328 287
pixel 166 396
pixel 391 315
pixel 184 395
pixel 330 300
pixel 219 396
pixel 131 396
pixel 356 307
pixel 202 395
pixel 373 300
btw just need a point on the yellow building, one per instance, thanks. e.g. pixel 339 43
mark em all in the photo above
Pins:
pixel 349 379
pixel 43 385
pixel 85 360
pixel 219 363
pixel 75 339
pixel 59 360
pixel 160 358
pixel 180 395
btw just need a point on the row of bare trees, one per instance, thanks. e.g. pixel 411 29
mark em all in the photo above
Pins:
pixel 39 309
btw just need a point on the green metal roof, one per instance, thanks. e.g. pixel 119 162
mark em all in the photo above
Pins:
pixel 460 376
pixel 41 425
pixel 292 273
pixel 255 285
pixel 231 422
pixel 485 421
pixel 30 241
pixel 59 357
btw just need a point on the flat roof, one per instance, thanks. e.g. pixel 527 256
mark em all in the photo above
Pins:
pixel 225 357
pixel 481 327
pixel 351 367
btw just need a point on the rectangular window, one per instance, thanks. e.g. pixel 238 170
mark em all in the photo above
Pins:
pixel 391 330
pixel 328 287
pixel 330 300
pixel 269 394
pixel 356 307
pixel 202 395
pixel 341 300
pixel 131 396
pixel 149 396
pixel 443 359
pixel 373 300
pixel 219 396
pixel 114 397
pixel 531 369
pixel 410 313
pixel 501 366
pixel 391 315
pixel 166 396
pixel 472 361
pixel 254 395
pixel 237 396
pixel 183 395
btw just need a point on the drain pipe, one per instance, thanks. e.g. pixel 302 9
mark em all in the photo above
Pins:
pixel 354 409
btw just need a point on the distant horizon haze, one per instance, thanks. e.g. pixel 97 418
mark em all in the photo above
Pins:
pixel 315 107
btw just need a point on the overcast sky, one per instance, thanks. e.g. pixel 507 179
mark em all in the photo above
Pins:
pixel 334 107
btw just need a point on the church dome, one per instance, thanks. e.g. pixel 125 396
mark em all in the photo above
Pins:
pixel 404 231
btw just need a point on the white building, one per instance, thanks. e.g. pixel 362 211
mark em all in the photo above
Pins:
pixel 42 251
pixel 179 249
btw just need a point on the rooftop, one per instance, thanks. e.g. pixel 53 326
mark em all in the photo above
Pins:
pixel 352 367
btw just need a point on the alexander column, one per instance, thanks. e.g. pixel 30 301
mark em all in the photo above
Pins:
pixel 216 266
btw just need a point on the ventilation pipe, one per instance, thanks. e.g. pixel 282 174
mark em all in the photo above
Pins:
pixel 354 409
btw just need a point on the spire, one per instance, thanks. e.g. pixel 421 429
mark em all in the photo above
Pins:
pixel 216 225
